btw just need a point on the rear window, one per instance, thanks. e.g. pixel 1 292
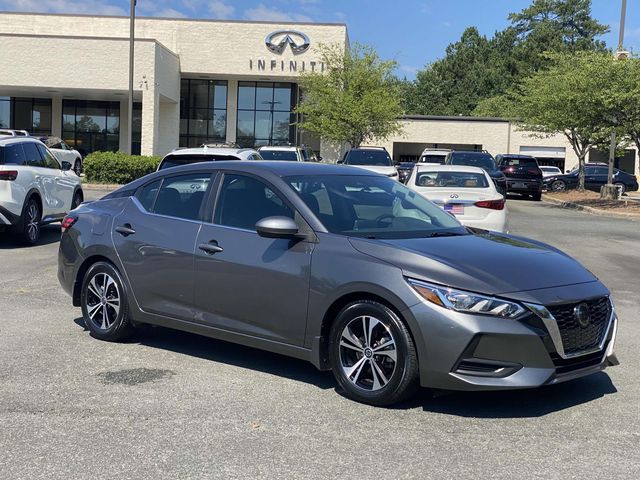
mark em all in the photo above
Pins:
pixel 451 180
pixel 378 158
pixel 12 154
pixel 177 160
pixel 285 155
pixel 433 158
pixel 519 162
pixel 482 160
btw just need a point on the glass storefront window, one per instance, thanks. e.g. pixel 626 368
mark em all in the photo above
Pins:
pixel 264 113
pixel 203 112
pixel 91 126
pixel 31 114
pixel 5 112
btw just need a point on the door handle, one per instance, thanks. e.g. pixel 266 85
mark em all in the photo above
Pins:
pixel 211 248
pixel 125 230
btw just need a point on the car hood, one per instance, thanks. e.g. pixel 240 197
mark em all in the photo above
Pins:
pixel 383 170
pixel 488 263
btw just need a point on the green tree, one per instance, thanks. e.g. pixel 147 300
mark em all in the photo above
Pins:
pixel 356 99
pixel 476 68
pixel 573 97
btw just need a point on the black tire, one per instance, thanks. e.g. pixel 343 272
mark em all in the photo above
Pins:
pixel 558 186
pixel 78 198
pixel 621 185
pixel 116 325
pixel 366 384
pixel 29 226
pixel 77 167
pixel 536 197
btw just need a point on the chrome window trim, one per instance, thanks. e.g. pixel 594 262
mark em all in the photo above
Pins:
pixel 551 325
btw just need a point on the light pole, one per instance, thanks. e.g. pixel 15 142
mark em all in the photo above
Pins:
pixel 132 26
pixel 609 190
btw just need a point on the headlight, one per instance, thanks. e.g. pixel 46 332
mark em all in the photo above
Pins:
pixel 466 302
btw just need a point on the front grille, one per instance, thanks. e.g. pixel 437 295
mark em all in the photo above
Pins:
pixel 576 338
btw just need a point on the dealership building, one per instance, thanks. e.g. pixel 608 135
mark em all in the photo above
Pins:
pixel 198 81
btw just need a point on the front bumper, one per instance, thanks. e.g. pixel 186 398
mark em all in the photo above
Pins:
pixel 475 352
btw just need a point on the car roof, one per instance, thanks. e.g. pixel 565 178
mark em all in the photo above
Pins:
pixel 287 148
pixel 469 152
pixel 435 150
pixel 211 151
pixel 515 155
pixel 422 167
pixel 7 140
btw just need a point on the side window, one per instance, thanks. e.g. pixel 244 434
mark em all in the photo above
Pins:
pixel 147 194
pixel 182 196
pixel 49 160
pixel 243 201
pixel 32 155
pixel 14 155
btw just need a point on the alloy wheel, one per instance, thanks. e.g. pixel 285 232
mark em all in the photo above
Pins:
pixel 33 221
pixel 558 186
pixel 368 355
pixel 103 301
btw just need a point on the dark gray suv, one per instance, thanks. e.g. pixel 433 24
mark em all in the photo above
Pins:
pixel 339 266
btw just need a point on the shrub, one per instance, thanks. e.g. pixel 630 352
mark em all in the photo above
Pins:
pixel 117 167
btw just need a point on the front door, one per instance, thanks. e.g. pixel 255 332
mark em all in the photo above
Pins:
pixel 251 285
pixel 155 238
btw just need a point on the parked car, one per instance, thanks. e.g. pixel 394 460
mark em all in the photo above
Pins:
pixel 434 156
pixel 64 153
pixel 349 270
pixel 404 170
pixel 288 153
pixel 374 159
pixel 595 175
pixel 523 174
pixel 207 153
pixel 468 193
pixel 548 171
pixel 35 188
pixel 483 160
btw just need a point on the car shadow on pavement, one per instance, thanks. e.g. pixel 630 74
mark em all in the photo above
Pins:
pixel 48 234
pixel 536 402
pixel 230 354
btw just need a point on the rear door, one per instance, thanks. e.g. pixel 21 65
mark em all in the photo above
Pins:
pixel 595 177
pixel 253 285
pixel 155 239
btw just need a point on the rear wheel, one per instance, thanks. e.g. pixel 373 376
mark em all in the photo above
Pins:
pixel 558 186
pixel 536 197
pixel 621 186
pixel 29 227
pixel 103 299
pixel 372 354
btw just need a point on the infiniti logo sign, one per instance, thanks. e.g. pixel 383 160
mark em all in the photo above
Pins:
pixel 277 41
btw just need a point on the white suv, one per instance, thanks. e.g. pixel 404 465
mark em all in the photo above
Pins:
pixel 289 154
pixel 207 153
pixel 64 152
pixel 35 188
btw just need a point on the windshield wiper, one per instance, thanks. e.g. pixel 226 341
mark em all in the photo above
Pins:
pixel 446 234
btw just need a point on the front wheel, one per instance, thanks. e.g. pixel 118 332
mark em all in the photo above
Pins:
pixel 103 299
pixel 558 186
pixel 77 200
pixel 372 354
pixel 77 167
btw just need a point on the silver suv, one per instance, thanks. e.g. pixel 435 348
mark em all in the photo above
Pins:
pixel 289 154
pixel 206 153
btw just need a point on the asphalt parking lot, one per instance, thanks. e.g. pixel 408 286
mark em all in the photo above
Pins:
pixel 174 405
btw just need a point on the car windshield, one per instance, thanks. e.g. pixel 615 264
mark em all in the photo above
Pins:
pixel 452 180
pixel 378 158
pixel 286 155
pixel 433 158
pixel 473 160
pixel 519 162
pixel 177 160
pixel 372 207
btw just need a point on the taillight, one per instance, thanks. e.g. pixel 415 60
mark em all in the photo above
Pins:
pixel 492 204
pixel 68 221
pixel 8 175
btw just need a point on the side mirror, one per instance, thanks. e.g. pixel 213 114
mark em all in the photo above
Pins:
pixel 340 161
pixel 319 159
pixel 276 227
pixel 66 166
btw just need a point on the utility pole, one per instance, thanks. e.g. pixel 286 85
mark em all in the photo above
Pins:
pixel 609 190
pixel 132 26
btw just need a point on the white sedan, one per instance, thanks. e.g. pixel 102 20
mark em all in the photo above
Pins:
pixel 466 192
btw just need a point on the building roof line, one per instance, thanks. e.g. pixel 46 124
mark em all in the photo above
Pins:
pixel 455 118
pixel 174 19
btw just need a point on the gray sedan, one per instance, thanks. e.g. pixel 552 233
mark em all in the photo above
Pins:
pixel 336 265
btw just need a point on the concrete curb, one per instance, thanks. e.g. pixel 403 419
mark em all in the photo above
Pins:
pixel 595 211
pixel 100 186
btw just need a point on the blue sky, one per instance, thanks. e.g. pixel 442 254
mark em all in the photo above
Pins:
pixel 413 32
